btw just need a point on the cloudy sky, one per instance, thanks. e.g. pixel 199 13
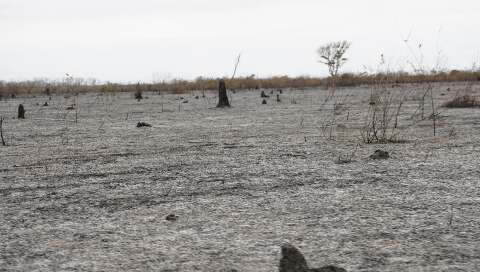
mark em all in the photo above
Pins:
pixel 151 40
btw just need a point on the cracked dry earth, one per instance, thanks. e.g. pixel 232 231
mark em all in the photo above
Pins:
pixel 94 195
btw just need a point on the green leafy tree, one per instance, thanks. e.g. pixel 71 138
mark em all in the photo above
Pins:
pixel 333 56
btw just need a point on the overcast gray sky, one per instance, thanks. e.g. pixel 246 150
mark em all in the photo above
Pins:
pixel 147 40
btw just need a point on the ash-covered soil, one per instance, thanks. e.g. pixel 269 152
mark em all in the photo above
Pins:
pixel 86 190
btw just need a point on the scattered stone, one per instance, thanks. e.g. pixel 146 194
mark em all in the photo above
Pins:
pixel 21 112
pixel 380 155
pixel 71 107
pixel 293 261
pixel 143 124
pixel 171 217
pixel 196 97
pixel 185 101
pixel 45 104
pixel 264 102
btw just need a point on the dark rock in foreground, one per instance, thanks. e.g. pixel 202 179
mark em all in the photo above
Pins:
pixel 143 124
pixel 293 261
pixel 171 217
pixel 380 155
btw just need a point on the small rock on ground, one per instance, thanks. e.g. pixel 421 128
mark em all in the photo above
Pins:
pixel 293 261
pixel 143 124
pixel 380 155
pixel 171 217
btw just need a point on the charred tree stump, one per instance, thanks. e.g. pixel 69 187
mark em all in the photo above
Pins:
pixel 138 92
pixel 222 95
pixel 21 112
pixel 1 131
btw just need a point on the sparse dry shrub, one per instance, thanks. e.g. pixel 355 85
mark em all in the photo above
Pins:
pixel 465 101
pixel 381 123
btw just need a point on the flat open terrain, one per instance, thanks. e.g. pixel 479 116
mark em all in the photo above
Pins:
pixel 93 195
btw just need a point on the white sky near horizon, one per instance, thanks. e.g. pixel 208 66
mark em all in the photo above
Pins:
pixel 147 40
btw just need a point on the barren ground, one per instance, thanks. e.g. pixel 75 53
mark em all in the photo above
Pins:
pixel 93 195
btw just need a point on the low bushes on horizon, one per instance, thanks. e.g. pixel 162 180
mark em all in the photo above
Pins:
pixel 241 83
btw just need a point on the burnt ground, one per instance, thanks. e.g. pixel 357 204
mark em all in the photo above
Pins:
pixel 93 194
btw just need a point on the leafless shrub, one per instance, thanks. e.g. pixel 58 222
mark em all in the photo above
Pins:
pixel 382 118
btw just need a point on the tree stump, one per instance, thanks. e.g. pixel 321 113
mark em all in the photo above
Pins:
pixel 1 131
pixel 222 95
pixel 21 112
pixel 138 92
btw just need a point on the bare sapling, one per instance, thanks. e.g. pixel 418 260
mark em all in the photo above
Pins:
pixel 434 114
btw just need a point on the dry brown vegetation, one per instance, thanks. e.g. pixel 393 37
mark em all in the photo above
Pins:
pixel 240 83
pixel 465 101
